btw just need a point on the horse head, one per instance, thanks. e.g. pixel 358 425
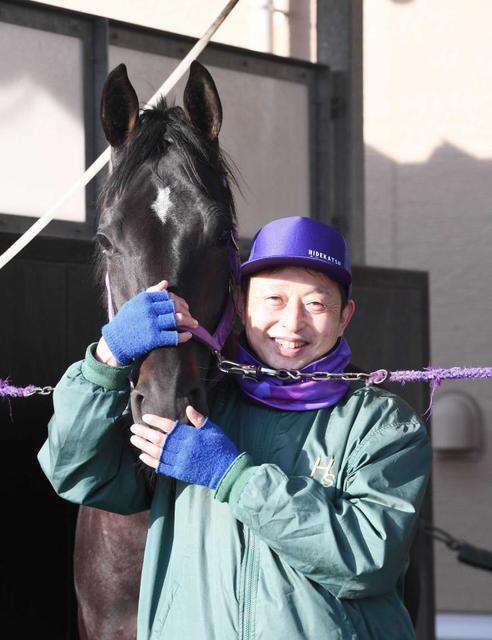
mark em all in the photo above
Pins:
pixel 167 212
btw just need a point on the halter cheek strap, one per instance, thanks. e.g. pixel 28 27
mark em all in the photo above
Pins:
pixel 217 341
pixel 109 298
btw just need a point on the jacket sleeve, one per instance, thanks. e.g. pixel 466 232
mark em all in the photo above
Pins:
pixel 353 542
pixel 88 457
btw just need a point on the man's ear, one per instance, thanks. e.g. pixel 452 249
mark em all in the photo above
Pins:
pixel 346 316
pixel 238 298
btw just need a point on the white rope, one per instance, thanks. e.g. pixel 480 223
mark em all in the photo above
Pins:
pixel 99 163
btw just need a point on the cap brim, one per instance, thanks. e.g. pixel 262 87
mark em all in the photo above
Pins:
pixel 262 264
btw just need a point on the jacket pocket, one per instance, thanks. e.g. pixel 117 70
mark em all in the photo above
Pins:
pixel 163 612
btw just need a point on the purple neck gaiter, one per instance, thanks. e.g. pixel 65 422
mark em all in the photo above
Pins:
pixel 303 395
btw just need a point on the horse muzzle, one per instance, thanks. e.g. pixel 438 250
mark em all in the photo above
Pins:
pixel 168 380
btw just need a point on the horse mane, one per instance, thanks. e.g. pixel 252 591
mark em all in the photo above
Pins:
pixel 157 128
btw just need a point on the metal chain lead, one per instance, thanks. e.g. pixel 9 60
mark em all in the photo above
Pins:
pixel 254 372
pixel 246 371
pixel 41 391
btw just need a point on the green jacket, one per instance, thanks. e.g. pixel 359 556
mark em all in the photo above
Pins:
pixel 306 537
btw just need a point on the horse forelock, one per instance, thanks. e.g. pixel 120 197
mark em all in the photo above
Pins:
pixel 157 128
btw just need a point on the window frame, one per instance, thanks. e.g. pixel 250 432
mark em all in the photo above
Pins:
pixel 97 34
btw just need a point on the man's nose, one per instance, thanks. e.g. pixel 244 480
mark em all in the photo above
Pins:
pixel 293 316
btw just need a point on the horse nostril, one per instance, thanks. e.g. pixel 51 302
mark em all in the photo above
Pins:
pixel 198 400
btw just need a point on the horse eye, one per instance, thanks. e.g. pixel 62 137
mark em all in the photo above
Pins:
pixel 104 242
pixel 224 236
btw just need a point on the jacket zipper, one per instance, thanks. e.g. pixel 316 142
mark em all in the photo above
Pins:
pixel 249 577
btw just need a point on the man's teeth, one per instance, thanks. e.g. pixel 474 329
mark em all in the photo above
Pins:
pixel 287 344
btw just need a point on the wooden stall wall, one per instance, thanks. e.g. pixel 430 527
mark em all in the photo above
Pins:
pixel 50 311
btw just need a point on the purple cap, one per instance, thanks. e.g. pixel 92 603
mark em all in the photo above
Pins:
pixel 300 241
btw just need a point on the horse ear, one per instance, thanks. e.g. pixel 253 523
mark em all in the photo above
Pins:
pixel 201 101
pixel 119 107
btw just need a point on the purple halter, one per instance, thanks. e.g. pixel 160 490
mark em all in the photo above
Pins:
pixel 215 342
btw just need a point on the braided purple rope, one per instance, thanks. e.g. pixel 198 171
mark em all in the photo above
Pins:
pixel 429 374
pixel 9 391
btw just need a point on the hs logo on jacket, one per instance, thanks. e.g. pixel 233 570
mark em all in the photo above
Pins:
pixel 328 478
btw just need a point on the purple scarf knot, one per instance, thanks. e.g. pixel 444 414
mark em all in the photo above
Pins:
pixel 299 395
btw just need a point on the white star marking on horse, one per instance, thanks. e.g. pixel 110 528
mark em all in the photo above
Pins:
pixel 163 203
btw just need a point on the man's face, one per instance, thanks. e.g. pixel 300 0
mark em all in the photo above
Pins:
pixel 292 316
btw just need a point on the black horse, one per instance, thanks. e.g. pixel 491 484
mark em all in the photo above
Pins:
pixel 167 212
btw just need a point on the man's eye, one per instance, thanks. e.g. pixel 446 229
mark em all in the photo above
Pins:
pixel 315 305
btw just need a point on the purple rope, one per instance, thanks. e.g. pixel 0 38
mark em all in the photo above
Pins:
pixel 9 391
pixel 433 374
pixel 429 374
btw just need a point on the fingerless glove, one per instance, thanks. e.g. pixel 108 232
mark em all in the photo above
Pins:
pixel 197 455
pixel 145 322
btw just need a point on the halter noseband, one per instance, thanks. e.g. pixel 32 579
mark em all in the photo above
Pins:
pixel 215 342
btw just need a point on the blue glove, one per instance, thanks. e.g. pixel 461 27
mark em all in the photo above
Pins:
pixel 198 456
pixel 143 323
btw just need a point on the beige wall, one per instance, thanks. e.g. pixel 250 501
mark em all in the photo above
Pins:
pixel 283 27
pixel 189 17
pixel 428 135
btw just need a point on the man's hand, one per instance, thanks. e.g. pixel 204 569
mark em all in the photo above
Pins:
pixel 145 322
pixel 150 439
pixel 198 454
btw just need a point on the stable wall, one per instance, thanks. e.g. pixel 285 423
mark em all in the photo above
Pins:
pixel 428 135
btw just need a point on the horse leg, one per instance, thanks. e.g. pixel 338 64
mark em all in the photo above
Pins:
pixel 108 557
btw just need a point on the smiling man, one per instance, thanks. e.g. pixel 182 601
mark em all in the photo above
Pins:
pixel 290 510
pixel 294 315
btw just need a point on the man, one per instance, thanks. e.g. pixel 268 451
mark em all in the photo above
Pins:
pixel 295 502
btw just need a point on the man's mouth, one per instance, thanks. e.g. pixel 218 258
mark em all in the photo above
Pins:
pixel 290 345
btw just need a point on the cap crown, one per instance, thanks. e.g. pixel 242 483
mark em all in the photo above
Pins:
pixel 300 241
